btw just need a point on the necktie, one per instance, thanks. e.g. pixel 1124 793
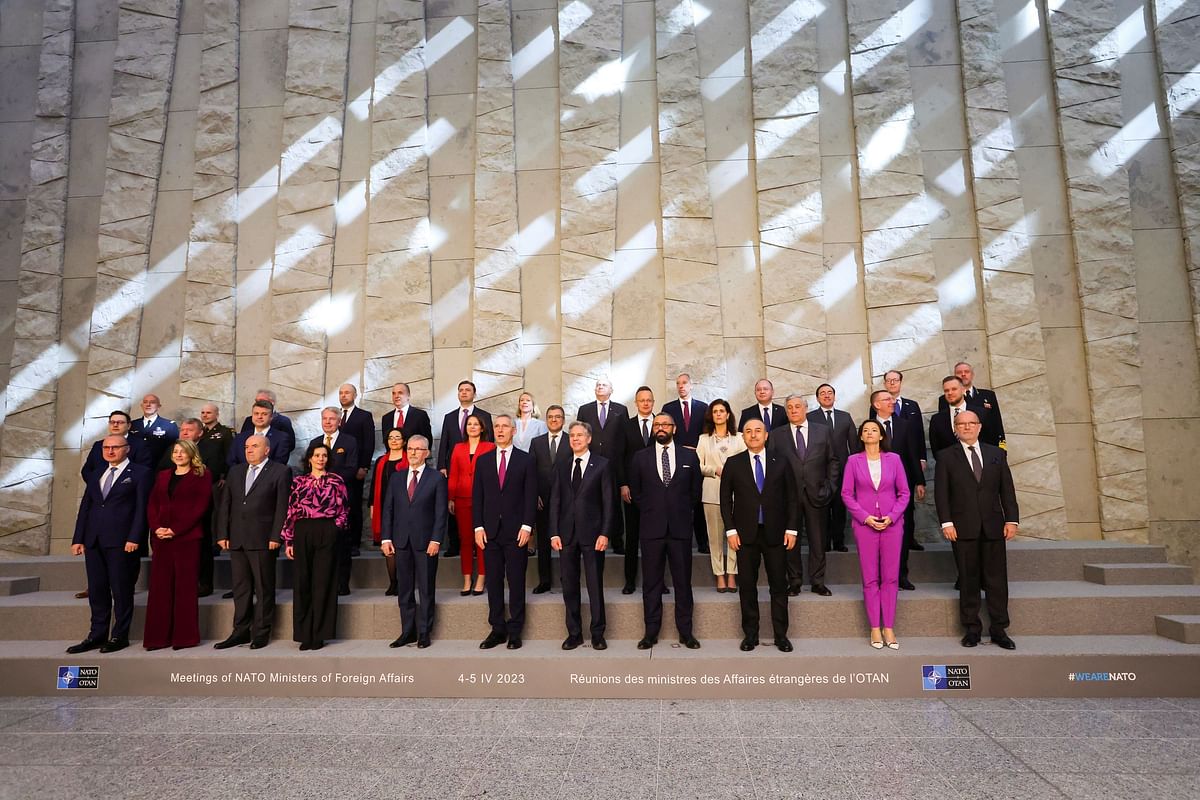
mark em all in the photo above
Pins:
pixel 553 448
pixel 108 482
pixel 759 479
pixel 345 416
pixel 953 427
pixel 329 441
pixel 503 466
pixel 251 474
pixel 645 433
pixel 577 475
pixel 887 426
pixel 603 414
pixel 412 486
pixel 399 418
pixel 462 424
pixel 766 415
pixel 687 413
pixel 801 445
pixel 666 468
pixel 976 464
pixel 829 418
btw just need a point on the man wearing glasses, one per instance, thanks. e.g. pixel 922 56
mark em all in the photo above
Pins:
pixel 413 526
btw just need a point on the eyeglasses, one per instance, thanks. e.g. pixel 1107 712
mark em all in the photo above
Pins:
pixel 418 449
pixel 966 424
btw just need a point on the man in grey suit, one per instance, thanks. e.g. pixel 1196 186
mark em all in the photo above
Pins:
pixel 250 515
pixel 818 476
pixel 413 526
pixel 844 442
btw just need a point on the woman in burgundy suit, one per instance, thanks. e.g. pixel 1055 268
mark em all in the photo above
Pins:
pixel 178 505
pixel 386 467
pixel 462 481
pixel 875 492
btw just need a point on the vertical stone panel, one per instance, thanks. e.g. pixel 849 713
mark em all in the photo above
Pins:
pixel 1088 83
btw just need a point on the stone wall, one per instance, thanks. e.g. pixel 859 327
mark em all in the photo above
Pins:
pixel 206 197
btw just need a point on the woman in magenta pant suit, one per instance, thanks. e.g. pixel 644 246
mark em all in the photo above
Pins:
pixel 875 492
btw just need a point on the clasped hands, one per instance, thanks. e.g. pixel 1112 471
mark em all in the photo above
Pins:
pixel 879 523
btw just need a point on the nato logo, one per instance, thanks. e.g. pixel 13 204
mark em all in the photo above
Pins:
pixel 78 677
pixel 934 677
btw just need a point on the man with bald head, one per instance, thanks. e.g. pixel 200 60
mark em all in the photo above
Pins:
pixel 358 424
pixel 159 433
pixel 220 437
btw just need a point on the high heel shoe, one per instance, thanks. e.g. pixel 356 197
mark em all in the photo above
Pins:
pixel 465 593
pixel 876 643
pixel 893 645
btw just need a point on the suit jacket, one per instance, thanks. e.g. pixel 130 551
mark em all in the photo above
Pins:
pixel 843 439
pixel 451 435
pixel 985 399
pixel 741 499
pixel 215 444
pixel 819 474
pixel 608 441
pixel 416 421
pixel 251 521
pixel 279 452
pixel 687 437
pixel 778 416
pixel 977 508
pixel 861 497
pixel 910 412
pixel 95 464
pixel 361 426
pixel 419 521
pixel 503 512
pixel 462 469
pixel 666 511
pixel 280 423
pixel 539 448
pixel 119 518
pixel 580 516
pixel 184 512
pixel 941 428
pixel 908 442
pixel 343 461
pixel 159 438
pixel 633 444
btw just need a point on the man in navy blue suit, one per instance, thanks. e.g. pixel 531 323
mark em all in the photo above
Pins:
pixel 343 462
pixel 413 526
pixel 688 413
pixel 159 434
pixel 118 425
pixel 110 527
pixel 907 440
pixel 665 483
pixel 581 509
pixel 359 424
pixel 261 423
pixel 280 425
pixel 504 503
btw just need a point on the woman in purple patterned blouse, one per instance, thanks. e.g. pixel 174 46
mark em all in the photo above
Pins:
pixel 316 509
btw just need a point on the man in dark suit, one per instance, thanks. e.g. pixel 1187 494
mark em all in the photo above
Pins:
pixel 977 507
pixel 108 531
pixel 412 421
pixel 952 403
pixel 980 400
pixel 548 450
pixel 504 502
pixel 343 462
pixel 261 424
pixel 138 452
pixel 280 425
pixel 158 433
pixel 688 413
pixel 766 409
pixel 250 514
pixel 413 526
pixel 359 424
pixel 218 439
pixel 607 420
pixel 639 434
pixel 818 473
pixel 665 483
pixel 581 504
pixel 843 439
pixel 905 440
pixel 453 432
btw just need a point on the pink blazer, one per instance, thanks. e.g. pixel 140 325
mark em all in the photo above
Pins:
pixel 862 498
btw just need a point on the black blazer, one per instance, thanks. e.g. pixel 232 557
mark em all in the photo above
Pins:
pixel 666 511
pixel 580 517
pixel 741 500
pixel 941 430
pixel 361 426
pixel 281 423
pixel 502 512
pixel 778 416
pixel 251 521
pixel 343 461
pixel 819 475
pixel 844 435
pixel 416 421
pixel 418 521
pixel 690 436
pixel 119 518
pixel 279 452
pixel 985 399
pixel 910 412
pixel 633 444
pixel 539 448
pixel 451 435
pixel 977 509
pixel 608 441
pixel 139 454
pixel 215 444
pixel 158 439
pixel 908 442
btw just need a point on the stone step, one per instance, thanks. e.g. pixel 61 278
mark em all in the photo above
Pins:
pixel 1180 627
pixel 839 668
pixel 1135 574
pixel 1036 608
pixel 19 584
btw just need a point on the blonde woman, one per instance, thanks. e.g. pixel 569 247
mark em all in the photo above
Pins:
pixel 527 422
pixel 717 443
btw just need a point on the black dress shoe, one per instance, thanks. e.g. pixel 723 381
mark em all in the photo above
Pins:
pixel 343 592
pixel 821 589
pixel 748 644
pixel 85 646
pixel 232 641
pixel 391 590
pixel 228 595
pixel 204 591
pixel 541 588
pixel 571 642
pixel 784 644
pixel 917 546
pixel 514 643
pixel 81 595
pixel 1002 640
pixel 599 643
pixel 907 585
pixel 423 642
pixel 355 552
pixel 317 645
pixel 305 646
pixel 113 645
pixel 259 644
pixel 493 639
pixel 970 640
pixel 627 589
pixel 647 643
pixel 793 591
pixel 690 642
pixel 842 549
pixel 956 584
pixel 405 639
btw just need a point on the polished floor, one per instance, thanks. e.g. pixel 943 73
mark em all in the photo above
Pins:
pixel 223 747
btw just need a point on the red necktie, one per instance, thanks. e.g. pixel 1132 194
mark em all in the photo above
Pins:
pixel 412 486
pixel 687 414
pixel 399 418
pixel 503 466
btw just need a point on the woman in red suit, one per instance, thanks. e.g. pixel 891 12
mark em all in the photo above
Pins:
pixel 178 505
pixel 388 464
pixel 462 480
pixel 875 492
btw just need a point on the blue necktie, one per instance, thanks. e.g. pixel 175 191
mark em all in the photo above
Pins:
pixel 801 447
pixel 759 479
